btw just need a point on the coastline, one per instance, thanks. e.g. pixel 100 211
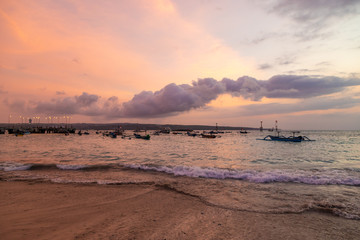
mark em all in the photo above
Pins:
pixel 44 210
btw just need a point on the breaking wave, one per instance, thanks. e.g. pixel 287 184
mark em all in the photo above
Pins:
pixel 313 177
pixel 348 176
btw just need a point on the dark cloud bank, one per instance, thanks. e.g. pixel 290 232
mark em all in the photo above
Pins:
pixel 173 99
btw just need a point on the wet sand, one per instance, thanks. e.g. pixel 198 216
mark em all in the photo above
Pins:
pixel 42 210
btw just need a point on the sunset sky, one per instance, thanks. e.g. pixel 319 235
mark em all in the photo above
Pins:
pixel 231 62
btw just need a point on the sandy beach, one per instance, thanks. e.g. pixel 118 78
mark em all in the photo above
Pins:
pixel 41 210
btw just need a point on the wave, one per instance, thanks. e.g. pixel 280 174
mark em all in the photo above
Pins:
pixel 15 167
pixel 313 177
pixel 38 166
pixel 348 176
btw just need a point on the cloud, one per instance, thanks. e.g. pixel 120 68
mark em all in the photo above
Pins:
pixel 313 17
pixel 60 92
pixel 70 105
pixel 173 98
pixel 293 86
pixel 319 103
pixel 19 105
pixel 266 36
pixel 86 99
pixel 264 66
pixel 285 60
pixel 315 10
pixel 324 64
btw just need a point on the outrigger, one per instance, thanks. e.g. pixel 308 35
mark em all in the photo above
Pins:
pixel 292 138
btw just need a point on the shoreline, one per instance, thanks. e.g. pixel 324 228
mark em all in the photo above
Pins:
pixel 44 210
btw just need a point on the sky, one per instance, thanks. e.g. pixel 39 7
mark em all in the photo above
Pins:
pixel 225 62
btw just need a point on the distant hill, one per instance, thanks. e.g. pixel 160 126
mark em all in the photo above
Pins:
pixel 130 126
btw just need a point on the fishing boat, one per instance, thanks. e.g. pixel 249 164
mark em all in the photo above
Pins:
pixel 145 137
pixel 119 131
pixel 191 134
pixel 207 135
pixel 165 130
pixel 242 131
pixel 282 138
pixel 20 133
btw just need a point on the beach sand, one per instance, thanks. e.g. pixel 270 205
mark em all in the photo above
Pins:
pixel 43 210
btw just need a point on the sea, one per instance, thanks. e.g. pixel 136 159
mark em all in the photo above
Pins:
pixel 232 171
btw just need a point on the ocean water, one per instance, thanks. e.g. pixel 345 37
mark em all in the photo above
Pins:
pixel 233 171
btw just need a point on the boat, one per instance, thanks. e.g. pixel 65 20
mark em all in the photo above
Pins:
pixel 191 134
pixel 145 137
pixel 282 138
pixel 242 131
pixel 216 130
pixel 166 130
pixel 119 131
pixel 112 135
pixel 19 134
pixel 207 135
pixel 177 133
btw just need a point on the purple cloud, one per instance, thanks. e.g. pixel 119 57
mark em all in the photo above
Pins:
pixel 292 86
pixel 69 105
pixel 318 103
pixel 173 98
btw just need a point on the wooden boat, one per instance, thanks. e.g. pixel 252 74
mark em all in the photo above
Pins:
pixel 165 130
pixel 242 131
pixel 207 135
pixel 282 138
pixel 119 131
pixel 145 137
pixel 191 134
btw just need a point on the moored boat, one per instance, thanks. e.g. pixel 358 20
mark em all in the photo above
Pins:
pixel 145 137
pixel 282 138
pixel 242 131
pixel 191 134
pixel 207 135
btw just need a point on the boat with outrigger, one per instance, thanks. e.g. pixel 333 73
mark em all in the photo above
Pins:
pixel 145 137
pixel 282 138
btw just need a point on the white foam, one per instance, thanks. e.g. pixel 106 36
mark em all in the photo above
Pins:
pixel 326 177
pixel 14 167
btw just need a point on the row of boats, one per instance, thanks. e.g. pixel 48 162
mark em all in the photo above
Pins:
pixel 215 134
pixel 20 131
pixel 120 132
